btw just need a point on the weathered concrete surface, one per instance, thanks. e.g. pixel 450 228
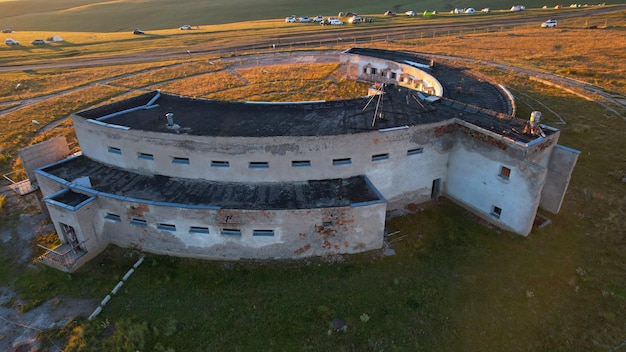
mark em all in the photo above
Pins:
pixel 43 153
pixel 560 171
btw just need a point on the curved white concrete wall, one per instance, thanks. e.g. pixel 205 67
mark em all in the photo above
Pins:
pixel 285 233
pixel 408 74
pixel 382 156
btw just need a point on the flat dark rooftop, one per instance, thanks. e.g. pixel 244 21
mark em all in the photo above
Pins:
pixel 267 196
pixel 477 101
pixel 70 198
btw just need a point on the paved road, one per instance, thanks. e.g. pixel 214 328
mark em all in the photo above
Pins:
pixel 348 35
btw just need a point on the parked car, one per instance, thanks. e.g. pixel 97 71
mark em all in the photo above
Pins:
pixel 318 19
pixel 410 13
pixel 549 24
pixel 38 42
pixel 7 30
pixel 304 19
pixel 470 10
pixel 485 10
pixel 10 41
pixel 389 13
pixel 185 27
pixel 291 19
pixel 138 31
pixel 354 19
pixel 335 22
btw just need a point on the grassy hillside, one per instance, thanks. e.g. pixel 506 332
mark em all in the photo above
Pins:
pixel 454 285
pixel 124 15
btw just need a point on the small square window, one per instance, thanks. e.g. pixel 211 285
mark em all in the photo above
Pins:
pixel 259 165
pixel 300 163
pixel 380 157
pixel 265 233
pixel 114 150
pixel 496 212
pixel 113 217
pixel 166 227
pixel 342 161
pixel 199 229
pixel 219 163
pixel 415 151
pixel 145 156
pixel 177 160
pixel 231 232
pixel 505 172
pixel 393 75
pixel 138 222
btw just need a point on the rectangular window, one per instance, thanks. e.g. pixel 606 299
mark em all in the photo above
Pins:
pixel 373 71
pixel 300 163
pixel 505 172
pixel 393 75
pixel 138 222
pixel 496 212
pixel 327 223
pixel 415 151
pixel 231 232
pixel 145 156
pixel 199 229
pixel 114 150
pixel 166 227
pixel 113 217
pixel 364 69
pixel 177 160
pixel 342 161
pixel 266 233
pixel 219 163
pixel 258 165
pixel 379 157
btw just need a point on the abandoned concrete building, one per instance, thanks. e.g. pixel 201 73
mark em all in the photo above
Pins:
pixel 228 180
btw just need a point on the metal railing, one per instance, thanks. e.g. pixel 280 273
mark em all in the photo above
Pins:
pixel 65 255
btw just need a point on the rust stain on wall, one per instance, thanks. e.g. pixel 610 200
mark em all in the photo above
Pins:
pixel 325 231
pixel 483 138
pixel 138 210
pixel 303 249
pixel 440 131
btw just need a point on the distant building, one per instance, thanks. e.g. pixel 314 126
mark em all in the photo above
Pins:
pixel 228 180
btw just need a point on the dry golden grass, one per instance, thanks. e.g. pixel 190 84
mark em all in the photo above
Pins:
pixel 595 56
pixel 304 72
pixel 36 83
pixel 203 85
pixel 293 83
pixel 23 129
pixel 564 284
pixel 169 73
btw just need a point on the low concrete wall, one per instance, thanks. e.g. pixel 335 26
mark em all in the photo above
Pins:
pixel 560 171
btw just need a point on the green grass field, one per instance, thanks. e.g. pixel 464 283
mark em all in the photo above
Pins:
pixel 124 15
pixel 454 285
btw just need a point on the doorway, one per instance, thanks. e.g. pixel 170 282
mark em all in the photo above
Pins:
pixel 70 235
pixel 434 194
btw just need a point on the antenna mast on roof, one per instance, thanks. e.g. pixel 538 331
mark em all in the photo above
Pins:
pixel 379 92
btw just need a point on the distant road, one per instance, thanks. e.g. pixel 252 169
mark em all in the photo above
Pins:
pixel 346 35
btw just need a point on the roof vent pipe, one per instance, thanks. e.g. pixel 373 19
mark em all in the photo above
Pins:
pixel 154 99
pixel 535 118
